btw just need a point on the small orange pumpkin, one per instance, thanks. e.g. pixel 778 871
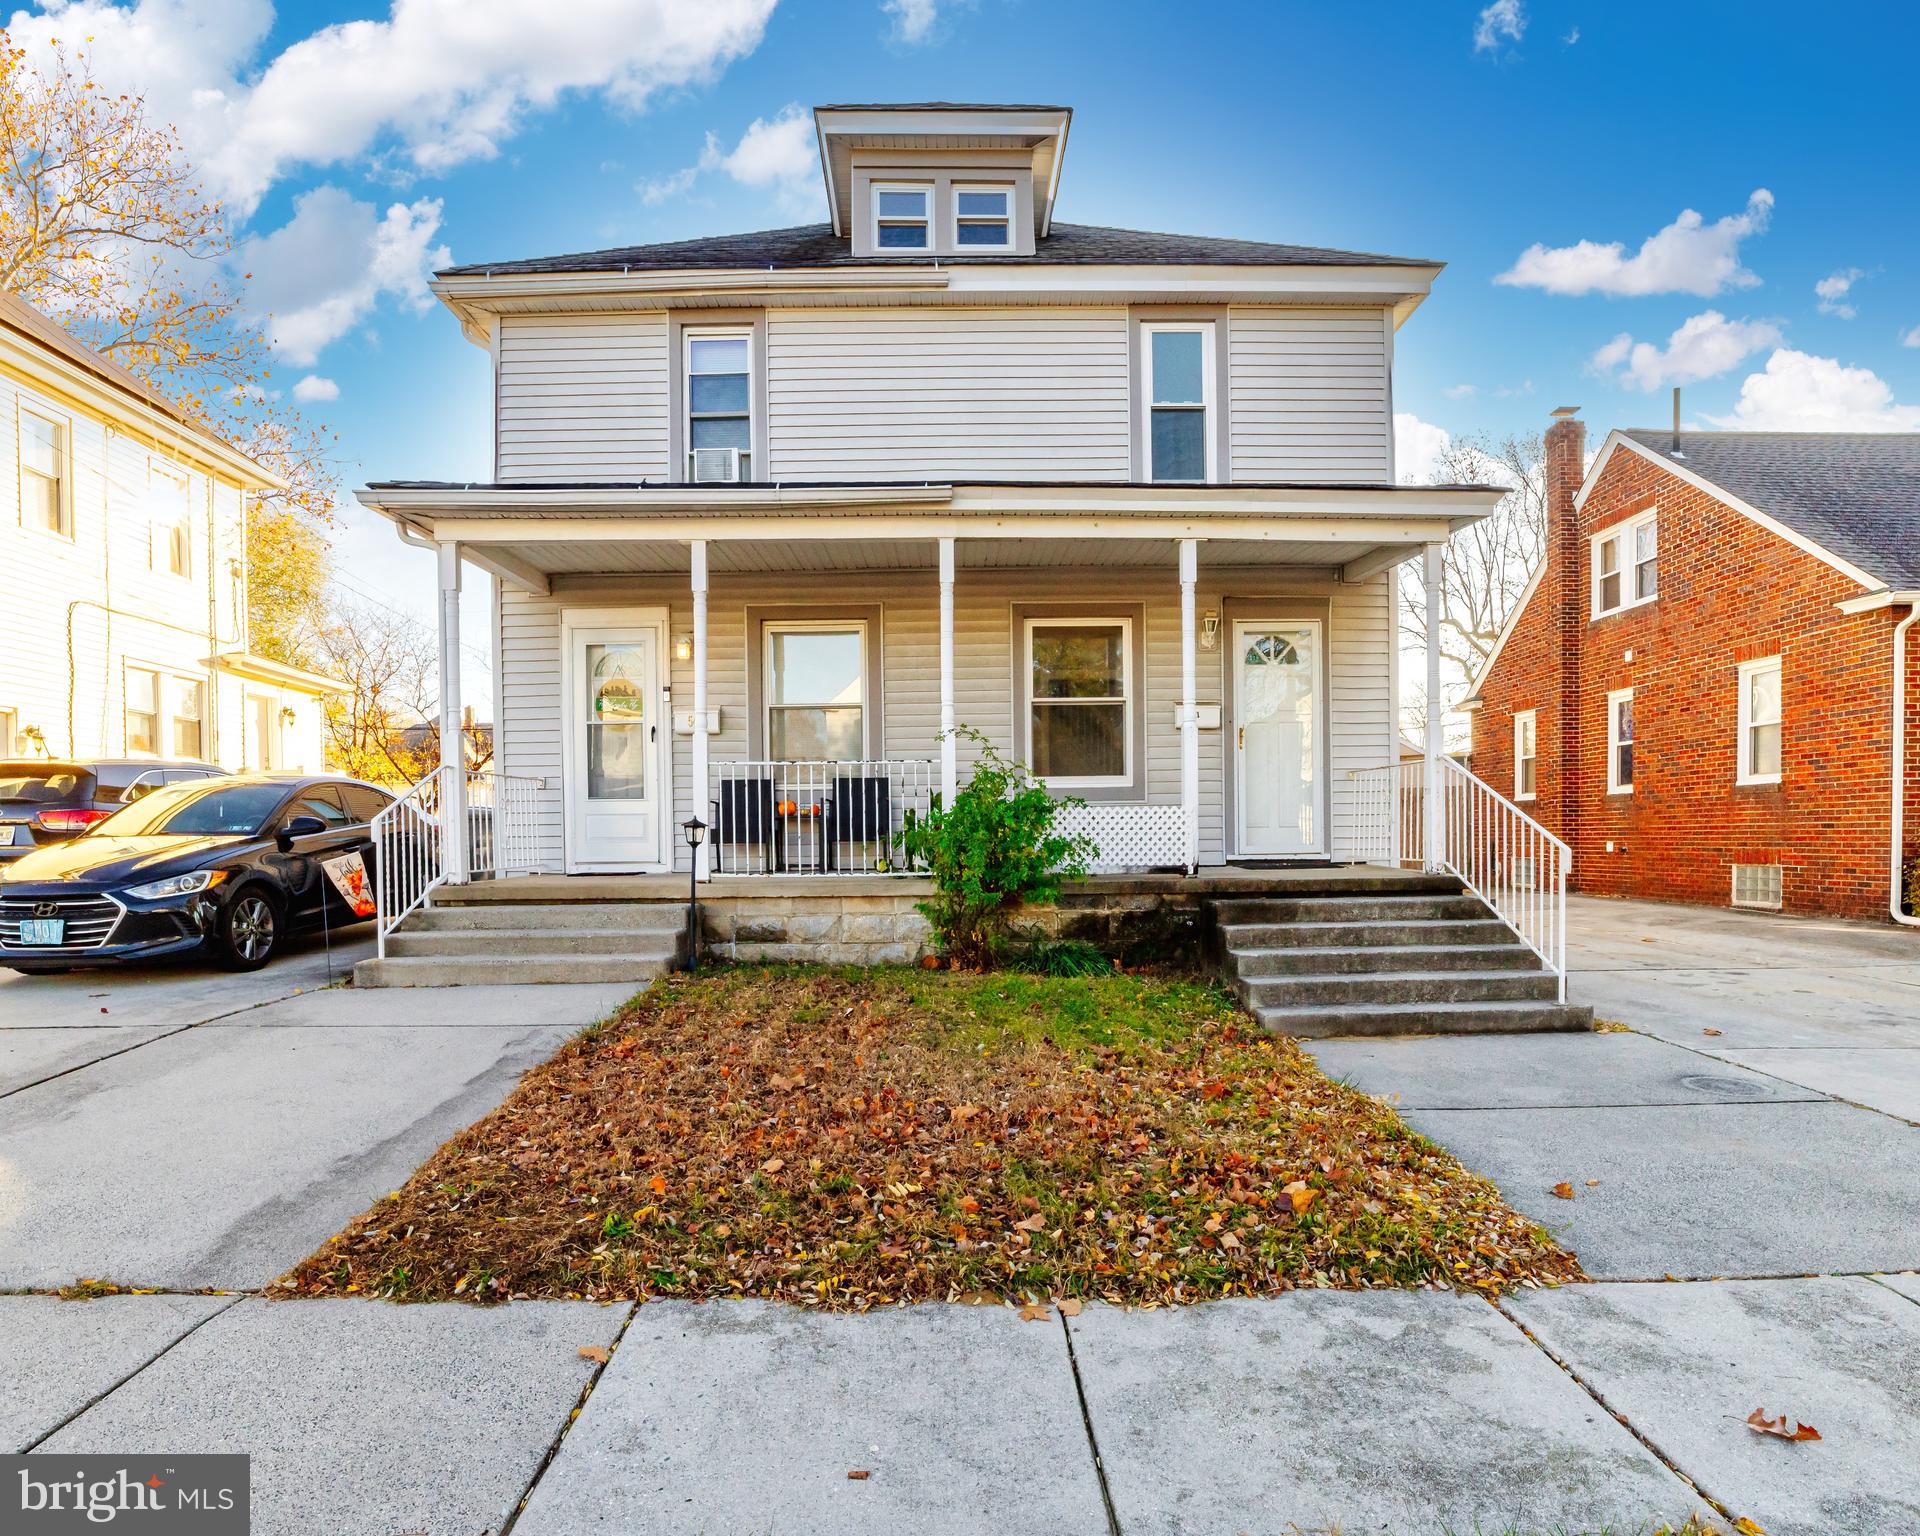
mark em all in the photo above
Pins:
pixel 787 808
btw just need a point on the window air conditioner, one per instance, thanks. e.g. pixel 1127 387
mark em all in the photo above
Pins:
pixel 716 465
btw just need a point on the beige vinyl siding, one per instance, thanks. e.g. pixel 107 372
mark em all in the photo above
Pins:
pixel 888 394
pixel 581 397
pixel 1359 709
pixel 1309 397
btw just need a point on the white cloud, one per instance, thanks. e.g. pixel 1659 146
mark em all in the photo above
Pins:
pixel 1704 346
pixel 779 153
pixel 322 272
pixel 913 20
pixel 1418 447
pixel 1911 338
pixel 1503 18
pixel 1460 391
pixel 1797 392
pixel 314 388
pixel 1832 291
pixel 1688 256
pixel 436 83
pixel 1572 37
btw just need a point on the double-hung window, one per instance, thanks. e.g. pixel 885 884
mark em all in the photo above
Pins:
pixel 983 218
pixel 1620 742
pixel 1525 753
pixel 1080 701
pixel 901 217
pixel 143 711
pixel 43 473
pixel 816 691
pixel 1760 721
pixel 186 695
pixel 171 510
pixel 1178 365
pixel 719 426
pixel 1626 565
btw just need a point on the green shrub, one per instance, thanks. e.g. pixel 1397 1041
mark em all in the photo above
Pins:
pixel 1061 957
pixel 1913 888
pixel 992 849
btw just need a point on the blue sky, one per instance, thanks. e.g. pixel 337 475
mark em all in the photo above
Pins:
pixel 365 143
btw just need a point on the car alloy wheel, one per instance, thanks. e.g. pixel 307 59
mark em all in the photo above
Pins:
pixel 250 928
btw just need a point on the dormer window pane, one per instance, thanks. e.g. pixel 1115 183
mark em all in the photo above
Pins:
pixel 900 218
pixel 983 218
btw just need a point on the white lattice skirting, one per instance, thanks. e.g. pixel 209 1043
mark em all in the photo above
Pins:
pixel 1130 836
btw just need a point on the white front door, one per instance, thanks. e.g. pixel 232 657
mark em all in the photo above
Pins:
pixel 617 736
pixel 1279 739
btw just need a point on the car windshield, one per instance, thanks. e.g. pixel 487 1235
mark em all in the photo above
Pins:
pixel 43 783
pixel 197 810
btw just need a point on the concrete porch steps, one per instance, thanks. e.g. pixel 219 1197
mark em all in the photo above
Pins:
pixel 456 941
pixel 1423 957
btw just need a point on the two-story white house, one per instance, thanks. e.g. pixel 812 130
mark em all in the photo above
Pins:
pixel 123 629
pixel 771 513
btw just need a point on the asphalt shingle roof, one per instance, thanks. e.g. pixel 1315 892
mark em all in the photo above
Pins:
pixel 1856 494
pixel 816 245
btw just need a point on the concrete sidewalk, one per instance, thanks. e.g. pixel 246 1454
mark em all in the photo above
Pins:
pixel 1391 1413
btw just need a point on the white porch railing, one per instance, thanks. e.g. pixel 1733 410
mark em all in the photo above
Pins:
pixel 1499 852
pixel 821 817
pixel 500 839
pixel 1129 836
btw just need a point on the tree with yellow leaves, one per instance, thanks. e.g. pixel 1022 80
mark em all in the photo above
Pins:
pixel 104 227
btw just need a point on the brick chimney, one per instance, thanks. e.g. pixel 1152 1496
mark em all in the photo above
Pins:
pixel 1564 582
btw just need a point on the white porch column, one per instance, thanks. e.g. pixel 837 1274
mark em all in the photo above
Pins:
pixel 1189 704
pixel 703 856
pixel 453 756
pixel 1433 827
pixel 949 748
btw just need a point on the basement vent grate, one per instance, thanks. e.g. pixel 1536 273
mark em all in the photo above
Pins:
pixel 1757 885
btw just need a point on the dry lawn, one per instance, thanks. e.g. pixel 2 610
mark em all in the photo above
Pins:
pixel 847 1139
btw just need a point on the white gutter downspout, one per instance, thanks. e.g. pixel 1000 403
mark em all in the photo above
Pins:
pixel 1900 762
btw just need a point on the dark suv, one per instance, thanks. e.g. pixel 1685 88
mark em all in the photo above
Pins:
pixel 45 802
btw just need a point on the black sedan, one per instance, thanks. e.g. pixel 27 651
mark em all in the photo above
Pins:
pixel 227 867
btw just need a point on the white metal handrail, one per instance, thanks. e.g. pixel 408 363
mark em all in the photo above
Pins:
pixel 814 816
pixel 500 838
pixel 1498 852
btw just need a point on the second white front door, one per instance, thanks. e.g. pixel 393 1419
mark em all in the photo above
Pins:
pixel 617 806
pixel 1279 738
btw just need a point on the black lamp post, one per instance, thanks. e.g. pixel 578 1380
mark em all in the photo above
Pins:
pixel 696 831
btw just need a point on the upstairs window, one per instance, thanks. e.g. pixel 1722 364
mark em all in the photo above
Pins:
pixel 719 405
pixel 1760 721
pixel 983 218
pixel 1620 742
pixel 171 512
pixel 43 473
pixel 1179 394
pixel 900 220
pixel 1626 565
pixel 1525 752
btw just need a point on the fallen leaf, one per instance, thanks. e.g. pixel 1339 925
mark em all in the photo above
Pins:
pixel 1069 1306
pixel 1591 1183
pixel 598 1353
pixel 657 1184
pixel 1228 1240
pixel 773 1165
pixel 858 1474
pixel 1709 1031
pixel 1035 1312
pixel 1748 1527
pixel 1034 1223
pixel 1299 1194
pixel 1563 1191
pixel 1780 1428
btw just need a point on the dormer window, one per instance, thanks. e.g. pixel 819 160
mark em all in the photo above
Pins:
pixel 900 218
pixel 983 218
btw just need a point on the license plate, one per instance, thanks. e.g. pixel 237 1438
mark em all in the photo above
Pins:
pixel 9 833
pixel 38 931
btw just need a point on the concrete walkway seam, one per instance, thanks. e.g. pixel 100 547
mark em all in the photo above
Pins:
pixel 566 1424
pixel 1880 1281
pixel 100 1397
pixel 1831 1098
pixel 1086 1421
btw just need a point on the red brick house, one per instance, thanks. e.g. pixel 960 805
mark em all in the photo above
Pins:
pixel 1702 690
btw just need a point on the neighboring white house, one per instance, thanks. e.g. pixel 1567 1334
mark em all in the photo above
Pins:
pixel 123 626
pixel 770 511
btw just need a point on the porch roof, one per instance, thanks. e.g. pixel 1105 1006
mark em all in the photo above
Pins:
pixel 527 534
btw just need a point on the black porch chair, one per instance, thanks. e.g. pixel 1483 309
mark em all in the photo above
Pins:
pixel 860 811
pixel 743 816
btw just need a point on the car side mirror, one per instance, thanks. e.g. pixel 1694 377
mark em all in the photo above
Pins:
pixel 296 827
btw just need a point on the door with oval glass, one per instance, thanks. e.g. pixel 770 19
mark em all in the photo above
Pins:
pixel 1279 745
pixel 616 803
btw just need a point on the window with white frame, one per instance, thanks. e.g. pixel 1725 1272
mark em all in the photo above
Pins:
pixel 1759 717
pixel 719 426
pixel 901 217
pixel 1178 365
pixel 1524 753
pixel 1758 885
pixel 9 730
pixel 170 510
pixel 44 501
pixel 1080 701
pixel 165 713
pixel 816 691
pixel 143 711
pixel 186 699
pixel 983 218
pixel 1620 742
pixel 1626 565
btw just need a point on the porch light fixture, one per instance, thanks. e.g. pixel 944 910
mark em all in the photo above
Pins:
pixel 1210 630
pixel 696 831
pixel 683 648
